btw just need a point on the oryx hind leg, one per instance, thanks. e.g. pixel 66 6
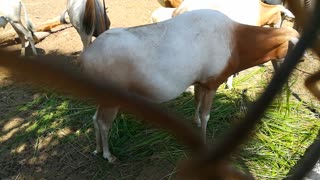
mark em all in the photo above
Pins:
pixel 86 40
pixel 102 121
pixel 22 33
pixel 198 96
pixel 97 133
pixel 206 104
pixel 203 98
pixel 229 82
pixel 276 63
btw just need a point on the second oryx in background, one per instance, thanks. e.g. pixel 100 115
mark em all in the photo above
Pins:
pixel 94 10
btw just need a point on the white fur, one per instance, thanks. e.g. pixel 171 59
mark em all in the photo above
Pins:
pixel 141 49
pixel 245 12
pixel 160 61
pixel 76 10
pixel 10 11
pixel 162 14
pixel 133 59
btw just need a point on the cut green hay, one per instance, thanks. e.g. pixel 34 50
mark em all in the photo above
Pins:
pixel 248 76
pixel 287 129
pixel 50 115
pixel 278 143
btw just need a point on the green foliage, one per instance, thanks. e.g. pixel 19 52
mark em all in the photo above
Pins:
pixel 287 129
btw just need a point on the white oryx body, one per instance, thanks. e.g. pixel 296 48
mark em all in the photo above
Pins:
pixel 144 58
pixel 10 12
pixel 159 61
pixel 76 10
pixel 250 12
pixel 162 14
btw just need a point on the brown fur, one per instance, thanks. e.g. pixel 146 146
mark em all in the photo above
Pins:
pixel 102 22
pixel 269 14
pixel 173 3
pixel 270 43
pixel 89 16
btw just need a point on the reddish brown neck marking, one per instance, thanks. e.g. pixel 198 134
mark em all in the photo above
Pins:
pixel 253 46
pixel 257 45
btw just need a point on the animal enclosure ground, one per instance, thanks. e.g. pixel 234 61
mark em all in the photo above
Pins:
pixel 45 135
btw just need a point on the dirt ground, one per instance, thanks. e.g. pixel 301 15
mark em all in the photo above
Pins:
pixel 55 163
pixel 66 161
pixel 123 13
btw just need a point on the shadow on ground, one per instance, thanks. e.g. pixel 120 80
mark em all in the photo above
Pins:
pixel 46 135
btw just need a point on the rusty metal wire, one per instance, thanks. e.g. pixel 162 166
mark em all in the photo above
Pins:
pixel 206 162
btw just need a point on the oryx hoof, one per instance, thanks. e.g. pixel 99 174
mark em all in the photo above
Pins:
pixel 96 152
pixel 110 157
pixel 197 121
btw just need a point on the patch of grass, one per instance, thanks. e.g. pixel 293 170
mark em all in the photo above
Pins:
pixel 287 129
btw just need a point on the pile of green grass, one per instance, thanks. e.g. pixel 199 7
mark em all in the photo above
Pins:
pixel 287 129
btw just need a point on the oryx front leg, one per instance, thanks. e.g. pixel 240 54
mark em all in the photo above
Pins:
pixel 229 82
pixel 97 133
pixel 22 40
pixel 22 33
pixel 276 63
pixel 86 40
pixel 102 121
pixel 198 96
pixel 203 98
pixel 205 107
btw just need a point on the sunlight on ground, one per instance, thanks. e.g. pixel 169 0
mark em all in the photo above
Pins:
pixel 12 123
pixel 39 160
pixel 7 134
pixel 44 142
pixel 64 132
pixel 19 149
pixel 47 141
